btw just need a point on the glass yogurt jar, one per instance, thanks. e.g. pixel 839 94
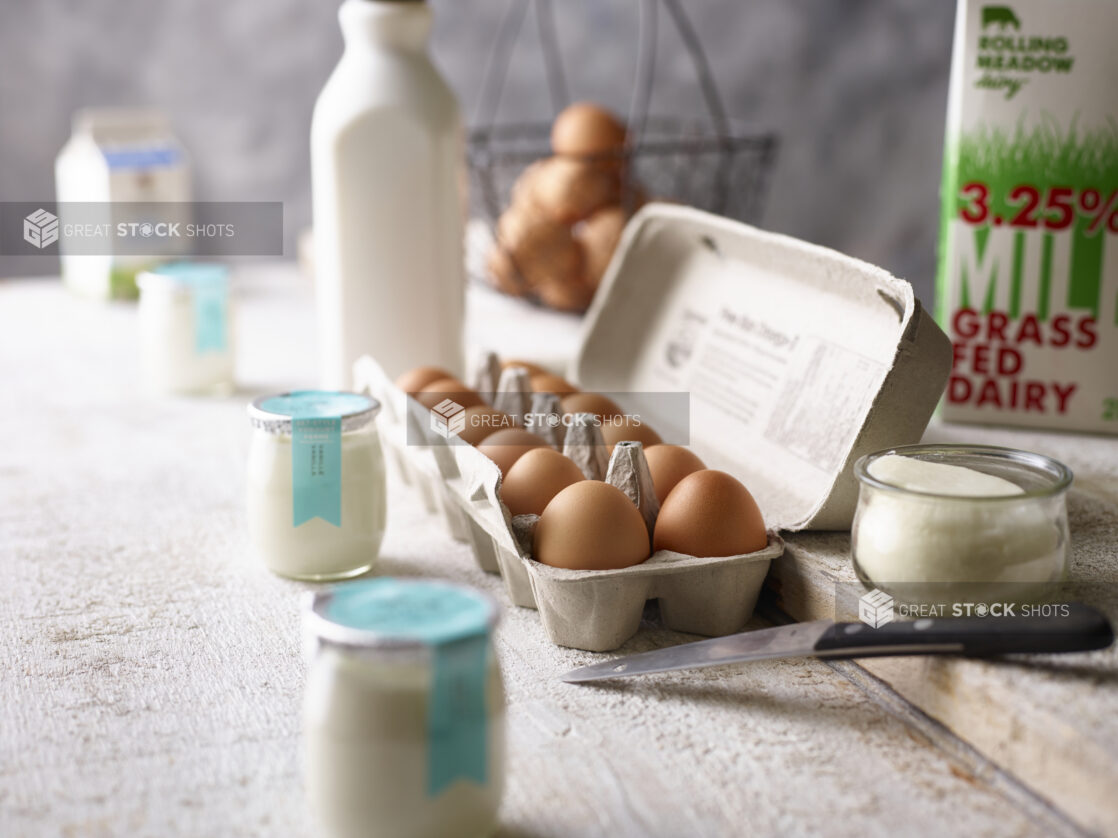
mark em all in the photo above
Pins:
pixel 316 484
pixel 186 328
pixel 404 714
pixel 961 523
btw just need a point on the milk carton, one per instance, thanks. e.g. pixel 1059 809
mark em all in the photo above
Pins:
pixel 1027 287
pixel 116 158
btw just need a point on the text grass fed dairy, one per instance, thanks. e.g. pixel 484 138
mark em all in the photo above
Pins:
pixel 1028 259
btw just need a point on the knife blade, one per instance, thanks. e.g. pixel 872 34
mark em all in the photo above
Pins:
pixel 1076 628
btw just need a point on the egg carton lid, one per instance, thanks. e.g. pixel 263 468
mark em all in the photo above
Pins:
pixel 798 359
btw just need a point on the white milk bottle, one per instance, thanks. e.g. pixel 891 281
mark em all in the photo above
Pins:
pixel 387 166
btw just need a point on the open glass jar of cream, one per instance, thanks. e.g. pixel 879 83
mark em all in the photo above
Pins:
pixel 961 523
pixel 404 715
pixel 316 484
pixel 186 328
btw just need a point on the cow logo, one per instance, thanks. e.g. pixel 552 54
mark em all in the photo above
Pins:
pixel 40 228
pixel 1003 16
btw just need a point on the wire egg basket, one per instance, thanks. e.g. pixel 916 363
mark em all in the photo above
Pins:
pixel 706 163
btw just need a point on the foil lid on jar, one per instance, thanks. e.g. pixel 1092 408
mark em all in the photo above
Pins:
pixel 399 613
pixel 275 414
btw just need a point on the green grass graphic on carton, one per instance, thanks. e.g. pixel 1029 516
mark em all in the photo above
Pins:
pixel 1043 156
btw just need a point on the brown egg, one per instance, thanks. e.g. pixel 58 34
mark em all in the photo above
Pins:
pixel 548 383
pixel 525 189
pixel 535 478
pixel 588 129
pixel 628 429
pixel 567 189
pixel 517 225
pixel 590 403
pixel 415 380
pixel 507 446
pixel 447 388
pixel 543 251
pixel 709 513
pixel 481 420
pixel 503 273
pixel 571 294
pixel 533 369
pixel 447 383
pixel 669 464
pixel 590 525
pixel 599 235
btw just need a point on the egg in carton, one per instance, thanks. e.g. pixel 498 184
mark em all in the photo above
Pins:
pixel 595 610
pixel 446 471
pixel 797 360
pixel 599 609
pixel 426 456
pixel 414 448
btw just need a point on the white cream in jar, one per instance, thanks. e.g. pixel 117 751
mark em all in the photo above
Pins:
pixel 316 484
pixel 186 328
pixel 961 522
pixel 404 714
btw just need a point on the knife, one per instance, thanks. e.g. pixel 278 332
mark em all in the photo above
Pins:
pixel 1077 628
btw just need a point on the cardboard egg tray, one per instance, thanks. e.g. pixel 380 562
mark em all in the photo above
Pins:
pixel 596 610
pixel 797 361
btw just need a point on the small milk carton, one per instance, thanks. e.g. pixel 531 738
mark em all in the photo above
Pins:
pixel 116 157
pixel 1027 287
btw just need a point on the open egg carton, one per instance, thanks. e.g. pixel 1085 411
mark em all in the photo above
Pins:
pixel 796 360
pixel 595 610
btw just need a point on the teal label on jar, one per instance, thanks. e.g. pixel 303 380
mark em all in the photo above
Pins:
pixel 455 624
pixel 209 316
pixel 316 470
pixel 209 295
pixel 457 729
pixel 316 449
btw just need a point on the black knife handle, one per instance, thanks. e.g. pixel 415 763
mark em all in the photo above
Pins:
pixel 1082 629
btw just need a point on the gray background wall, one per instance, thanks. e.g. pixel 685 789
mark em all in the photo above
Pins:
pixel 855 88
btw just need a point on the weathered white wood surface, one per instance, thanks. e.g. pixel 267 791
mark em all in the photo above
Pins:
pixel 1050 720
pixel 152 676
